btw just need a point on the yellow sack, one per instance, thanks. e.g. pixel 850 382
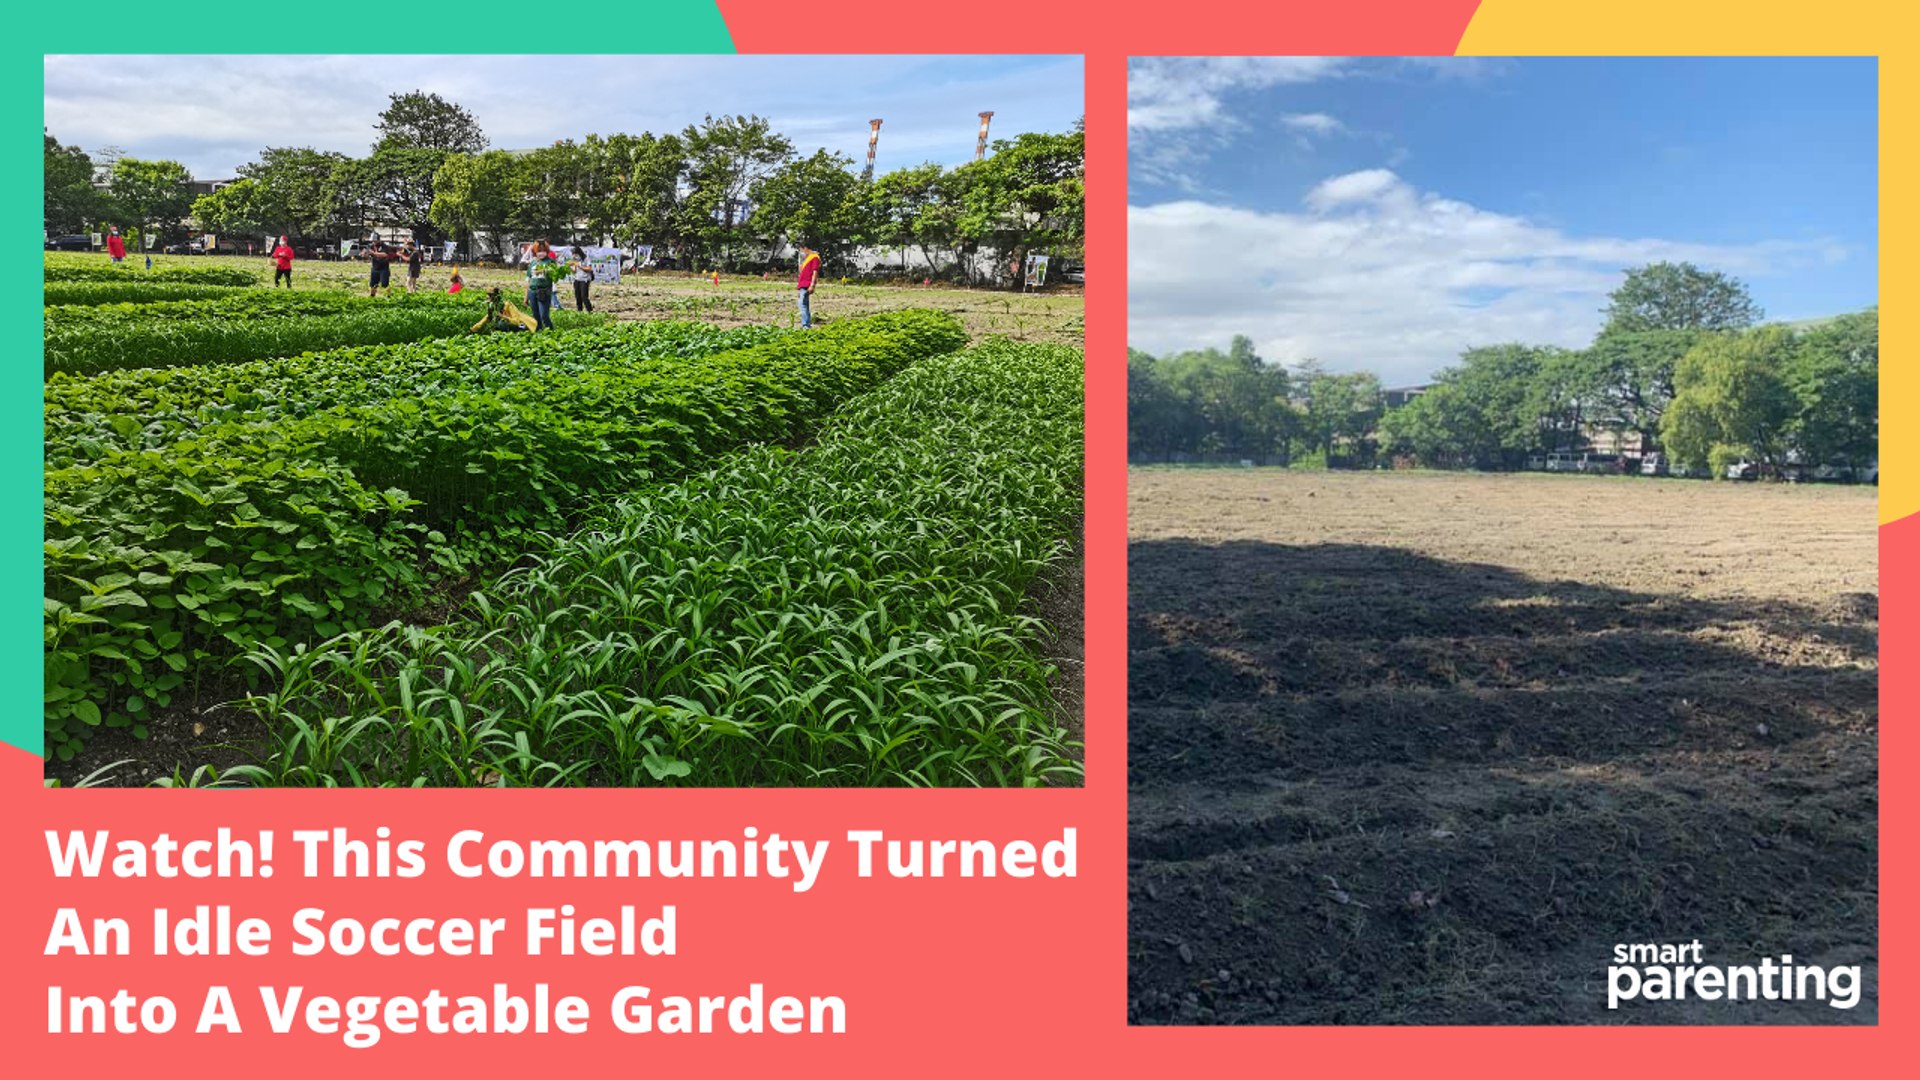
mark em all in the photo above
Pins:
pixel 509 313
pixel 514 314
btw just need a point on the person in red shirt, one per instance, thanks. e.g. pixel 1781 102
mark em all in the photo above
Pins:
pixel 282 256
pixel 116 247
pixel 809 270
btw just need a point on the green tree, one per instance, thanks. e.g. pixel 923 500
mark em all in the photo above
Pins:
pixel 237 208
pixel 1632 374
pixel 1834 372
pixel 550 191
pixel 1732 400
pixel 1335 409
pixel 906 210
pixel 393 186
pixel 644 197
pixel 1029 196
pixel 424 121
pixel 1680 296
pixel 1443 427
pixel 298 192
pixel 1489 410
pixel 72 201
pixel 727 158
pixel 473 193
pixel 814 201
pixel 151 193
pixel 1565 398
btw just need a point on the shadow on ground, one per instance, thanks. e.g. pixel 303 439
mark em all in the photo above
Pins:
pixel 1367 786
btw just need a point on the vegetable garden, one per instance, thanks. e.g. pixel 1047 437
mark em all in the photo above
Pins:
pixel 616 554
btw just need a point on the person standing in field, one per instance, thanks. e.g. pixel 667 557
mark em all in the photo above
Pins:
pixel 282 256
pixel 456 284
pixel 414 257
pixel 809 271
pixel 582 280
pixel 116 247
pixel 380 266
pixel 539 285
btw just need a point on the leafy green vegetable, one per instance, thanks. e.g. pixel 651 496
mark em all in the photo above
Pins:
pixel 252 324
pixel 848 613
pixel 191 514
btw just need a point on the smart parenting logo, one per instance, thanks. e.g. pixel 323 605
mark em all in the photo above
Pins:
pixel 1668 972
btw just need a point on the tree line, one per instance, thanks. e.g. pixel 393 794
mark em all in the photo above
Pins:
pixel 723 193
pixel 1682 367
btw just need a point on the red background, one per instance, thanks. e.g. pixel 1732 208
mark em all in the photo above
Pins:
pixel 941 977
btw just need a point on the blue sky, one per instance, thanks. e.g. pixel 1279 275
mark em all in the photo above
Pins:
pixel 213 113
pixel 1385 214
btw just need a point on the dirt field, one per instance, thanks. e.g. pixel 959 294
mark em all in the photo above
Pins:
pixel 1421 748
pixel 1056 315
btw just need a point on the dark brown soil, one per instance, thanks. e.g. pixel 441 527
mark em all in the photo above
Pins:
pixel 1400 783
pixel 1059 598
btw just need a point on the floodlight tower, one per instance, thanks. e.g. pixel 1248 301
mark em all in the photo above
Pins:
pixel 873 142
pixel 980 148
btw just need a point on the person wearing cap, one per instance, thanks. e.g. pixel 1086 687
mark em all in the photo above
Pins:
pixel 116 246
pixel 809 270
pixel 282 256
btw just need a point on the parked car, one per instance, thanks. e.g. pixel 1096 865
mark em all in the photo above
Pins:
pixel 1655 465
pixel 200 246
pixel 70 242
pixel 1743 470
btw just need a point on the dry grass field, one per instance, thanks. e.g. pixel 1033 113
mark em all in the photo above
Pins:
pixel 1421 748
pixel 1055 315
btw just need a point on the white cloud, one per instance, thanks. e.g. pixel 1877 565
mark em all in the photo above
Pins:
pixel 1367 185
pixel 214 113
pixel 1178 109
pixel 1312 123
pixel 1166 93
pixel 1375 274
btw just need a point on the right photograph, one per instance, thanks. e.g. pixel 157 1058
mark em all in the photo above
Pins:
pixel 1502 566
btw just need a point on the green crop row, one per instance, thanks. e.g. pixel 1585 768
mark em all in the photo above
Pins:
pixel 90 416
pixel 163 563
pixel 91 347
pixel 134 290
pixel 127 272
pixel 851 613
pixel 247 304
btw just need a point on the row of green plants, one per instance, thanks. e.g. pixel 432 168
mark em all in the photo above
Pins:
pixel 134 289
pixel 90 346
pixel 90 416
pixel 237 303
pixel 163 563
pixel 848 613
pixel 82 268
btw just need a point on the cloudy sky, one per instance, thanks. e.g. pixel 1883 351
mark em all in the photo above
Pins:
pixel 214 113
pixel 1386 214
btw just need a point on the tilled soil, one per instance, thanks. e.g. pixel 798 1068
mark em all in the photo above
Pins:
pixel 1421 749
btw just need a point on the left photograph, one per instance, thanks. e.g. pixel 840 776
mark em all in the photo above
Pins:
pixel 691 421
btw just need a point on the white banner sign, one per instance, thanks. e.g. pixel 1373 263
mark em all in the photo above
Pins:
pixel 606 264
pixel 1036 271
